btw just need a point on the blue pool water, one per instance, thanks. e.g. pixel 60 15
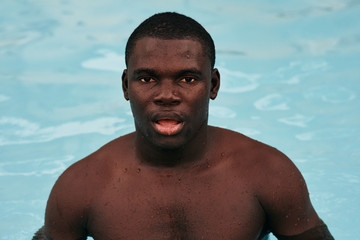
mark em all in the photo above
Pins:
pixel 290 78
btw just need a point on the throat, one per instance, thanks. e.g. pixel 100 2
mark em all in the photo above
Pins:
pixel 185 155
pixel 163 157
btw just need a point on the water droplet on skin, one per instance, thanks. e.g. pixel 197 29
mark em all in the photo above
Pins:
pixel 138 170
pixel 222 154
pixel 125 170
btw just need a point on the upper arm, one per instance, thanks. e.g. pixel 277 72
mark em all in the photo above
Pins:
pixel 65 216
pixel 285 198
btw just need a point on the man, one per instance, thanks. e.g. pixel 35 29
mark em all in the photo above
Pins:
pixel 176 177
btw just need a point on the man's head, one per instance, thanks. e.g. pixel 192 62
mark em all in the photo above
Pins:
pixel 169 79
pixel 168 26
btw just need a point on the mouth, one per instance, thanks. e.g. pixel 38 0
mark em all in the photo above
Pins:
pixel 167 126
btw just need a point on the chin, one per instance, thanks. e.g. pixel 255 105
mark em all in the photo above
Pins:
pixel 169 144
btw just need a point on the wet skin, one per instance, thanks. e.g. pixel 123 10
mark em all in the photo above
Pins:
pixel 176 177
pixel 169 80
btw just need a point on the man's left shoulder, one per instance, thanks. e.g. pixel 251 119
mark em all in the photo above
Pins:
pixel 248 147
pixel 232 139
pixel 264 162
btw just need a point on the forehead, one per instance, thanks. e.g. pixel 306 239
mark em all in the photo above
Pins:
pixel 155 51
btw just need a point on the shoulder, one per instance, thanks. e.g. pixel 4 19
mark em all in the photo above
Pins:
pixel 267 167
pixel 245 150
pixel 71 197
pixel 66 210
pixel 262 166
pixel 92 169
pixel 277 183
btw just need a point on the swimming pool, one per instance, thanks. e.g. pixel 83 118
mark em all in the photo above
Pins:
pixel 290 78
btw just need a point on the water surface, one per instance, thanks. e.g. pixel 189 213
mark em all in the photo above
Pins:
pixel 290 78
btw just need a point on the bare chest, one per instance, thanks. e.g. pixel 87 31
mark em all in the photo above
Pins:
pixel 171 207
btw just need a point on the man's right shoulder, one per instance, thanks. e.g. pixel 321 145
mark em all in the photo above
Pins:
pixel 94 168
pixel 120 146
pixel 71 197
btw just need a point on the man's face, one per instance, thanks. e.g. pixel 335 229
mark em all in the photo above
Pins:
pixel 169 84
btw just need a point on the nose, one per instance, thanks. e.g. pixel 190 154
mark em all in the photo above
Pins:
pixel 167 94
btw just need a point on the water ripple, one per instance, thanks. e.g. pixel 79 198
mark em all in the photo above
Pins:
pixel 327 134
pixel 110 61
pixel 4 98
pixel 272 102
pixel 21 131
pixel 237 82
pixel 296 120
pixel 331 94
pixel 35 167
pixel 222 112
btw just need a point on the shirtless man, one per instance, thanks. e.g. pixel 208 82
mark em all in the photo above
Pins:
pixel 175 177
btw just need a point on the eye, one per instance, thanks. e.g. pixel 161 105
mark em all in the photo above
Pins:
pixel 188 80
pixel 147 79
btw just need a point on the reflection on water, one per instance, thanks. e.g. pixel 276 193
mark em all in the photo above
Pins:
pixel 290 77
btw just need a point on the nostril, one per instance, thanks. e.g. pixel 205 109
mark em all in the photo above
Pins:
pixel 175 102
pixel 166 102
pixel 167 96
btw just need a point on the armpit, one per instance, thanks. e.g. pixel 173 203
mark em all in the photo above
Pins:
pixel 320 232
pixel 40 235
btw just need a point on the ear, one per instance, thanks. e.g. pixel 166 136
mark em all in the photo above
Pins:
pixel 125 85
pixel 215 83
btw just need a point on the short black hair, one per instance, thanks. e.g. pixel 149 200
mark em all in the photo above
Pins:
pixel 172 25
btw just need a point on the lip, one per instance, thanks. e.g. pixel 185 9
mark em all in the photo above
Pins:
pixel 168 124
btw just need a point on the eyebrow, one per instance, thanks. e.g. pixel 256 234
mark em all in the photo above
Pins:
pixel 144 70
pixel 189 71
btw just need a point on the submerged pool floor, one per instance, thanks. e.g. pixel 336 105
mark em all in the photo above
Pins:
pixel 290 78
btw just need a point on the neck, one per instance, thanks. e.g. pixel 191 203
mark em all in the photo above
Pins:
pixel 188 154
